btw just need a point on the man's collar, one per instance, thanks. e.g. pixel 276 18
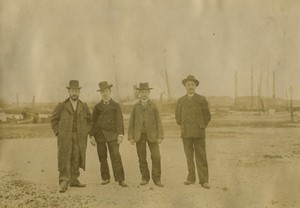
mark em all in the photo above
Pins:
pixel 144 101
pixel 73 100
pixel 189 95
pixel 106 101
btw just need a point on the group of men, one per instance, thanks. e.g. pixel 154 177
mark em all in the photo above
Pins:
pixel 72 123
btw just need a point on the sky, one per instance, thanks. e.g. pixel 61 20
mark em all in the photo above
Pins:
pixel 44 44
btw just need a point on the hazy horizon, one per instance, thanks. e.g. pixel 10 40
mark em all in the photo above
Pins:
pixel 44 44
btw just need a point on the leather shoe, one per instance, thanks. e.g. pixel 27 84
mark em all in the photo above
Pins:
pixel 123 184
pixel 144 182
pixel 79 185
pixel 62 189
pixel 205 185
pixel 159 184
pixel 104 182
pixel 188 183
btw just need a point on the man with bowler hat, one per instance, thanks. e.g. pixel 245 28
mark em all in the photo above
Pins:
pixel 71 121
pixel 193 115
pixel 108 132
pixel 145 127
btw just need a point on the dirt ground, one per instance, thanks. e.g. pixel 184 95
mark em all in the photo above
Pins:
pixel 253 162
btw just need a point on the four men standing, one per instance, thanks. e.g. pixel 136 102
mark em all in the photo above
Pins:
pixel 72 122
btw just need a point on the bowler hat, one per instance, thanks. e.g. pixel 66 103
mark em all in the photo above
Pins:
pixel 104 85
pixel 190 78
pixel 73 84
pixel 144 86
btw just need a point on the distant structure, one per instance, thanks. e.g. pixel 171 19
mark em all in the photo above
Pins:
pixel 274 94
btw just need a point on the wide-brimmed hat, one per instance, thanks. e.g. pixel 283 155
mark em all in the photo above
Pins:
pixel 144 86
pixel 190 78
pixel 104 85
pixel 73 84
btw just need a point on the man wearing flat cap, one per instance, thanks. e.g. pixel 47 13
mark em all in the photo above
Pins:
pixel 71 122
pixel 145 127
pixel 193 115
pixel 108 132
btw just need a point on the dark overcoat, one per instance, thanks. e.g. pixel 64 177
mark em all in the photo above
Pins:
pixel 62 125
pixel 148 114
pixel 107 121
pixel 193 115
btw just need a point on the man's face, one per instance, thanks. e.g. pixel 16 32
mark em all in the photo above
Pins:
pixel 105 94
pixel 74 94
pixel 190 87
pixel 144 94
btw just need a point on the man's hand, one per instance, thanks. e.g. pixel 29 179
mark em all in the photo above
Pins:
pixel 159 141
pixel 131 141
pixel 92 140
pixel 120 139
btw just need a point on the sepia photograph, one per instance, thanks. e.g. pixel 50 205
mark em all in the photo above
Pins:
pixel 149 104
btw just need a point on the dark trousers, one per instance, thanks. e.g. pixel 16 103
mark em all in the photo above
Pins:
pixel 155 157
pixel 115 158
pixel 196 146
pixel 71 172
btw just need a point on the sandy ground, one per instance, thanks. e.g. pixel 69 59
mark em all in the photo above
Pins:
pixel 250 166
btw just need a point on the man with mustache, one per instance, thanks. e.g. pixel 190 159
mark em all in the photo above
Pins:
pixel 193 115
pixel 71 121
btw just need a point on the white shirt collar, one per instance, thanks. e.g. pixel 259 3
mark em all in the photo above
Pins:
pixel 144 101
pixel 191 95
pixel 74 104
pixel 106 101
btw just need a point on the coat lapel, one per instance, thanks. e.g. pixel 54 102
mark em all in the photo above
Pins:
pixel 68 106
pixel 79 107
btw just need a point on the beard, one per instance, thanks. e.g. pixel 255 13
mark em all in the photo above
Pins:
pixel 74 97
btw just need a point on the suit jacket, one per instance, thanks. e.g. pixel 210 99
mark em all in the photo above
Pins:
pixel 192 115
pixel 107 121
pixel 148 114
pixel 62 126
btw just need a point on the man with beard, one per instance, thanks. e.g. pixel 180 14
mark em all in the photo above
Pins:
pixel 193 115
pixel 71 121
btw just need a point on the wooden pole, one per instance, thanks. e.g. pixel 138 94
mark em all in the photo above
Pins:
pixel 235 92
pixel 251 87
pixel 291 104
pixel 274 87
pixel 116 77
pixel 167 77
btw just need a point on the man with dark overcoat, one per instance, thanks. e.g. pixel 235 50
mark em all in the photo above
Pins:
pixel 71 122
pixel 108 133
pixel 145 127
pixel 193 115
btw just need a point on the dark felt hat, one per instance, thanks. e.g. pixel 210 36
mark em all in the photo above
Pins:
pixel 73 84
pixel 144 86
pixel 190 78
pixel 104 85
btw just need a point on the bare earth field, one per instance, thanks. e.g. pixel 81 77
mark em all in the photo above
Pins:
pixel 254 161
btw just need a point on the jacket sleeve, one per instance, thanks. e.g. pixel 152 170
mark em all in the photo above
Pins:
pixel 94 121
pixel 131 124
pixel 120 121
pixel 178 116
pixel 206 112
pixel 160 130
pixel 89 119
pixel 55 118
